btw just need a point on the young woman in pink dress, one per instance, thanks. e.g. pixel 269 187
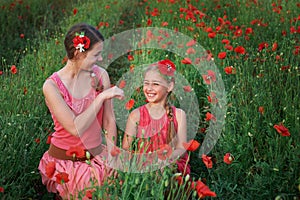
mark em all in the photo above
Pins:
pixel 158 126
pixel 79 99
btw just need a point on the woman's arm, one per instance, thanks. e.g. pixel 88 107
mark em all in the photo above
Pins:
pixel 75 125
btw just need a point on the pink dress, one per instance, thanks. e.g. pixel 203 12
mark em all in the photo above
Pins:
pixel 79 172
pixel 153 134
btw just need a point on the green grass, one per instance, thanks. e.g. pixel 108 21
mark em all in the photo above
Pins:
pixel 266 164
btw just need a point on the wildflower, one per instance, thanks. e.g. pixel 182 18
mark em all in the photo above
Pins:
pixel 50 169
pixel 211 35
pixel 115 151
pixel 62 177
pixel 207 161
pixel 222 55
pixel 122 84
pixel 22 35
pixel 192 145
pixel 228 158
pixel 209 77
pixel 149 22
pixel 75 152
pixel 212 98
pixel 75 10
pixel 274 46
pixel 1 189
pixel 187 88
pixel 164 152
pixel 13 69
pixel 203 190
pixel 229 70
pixel 261 109
pixel 130 57
pixel 190 51
pixel 186 61
pixel 191 43
pixel 209 117
pixel 240 50
pixel 129 104
pixel 282 130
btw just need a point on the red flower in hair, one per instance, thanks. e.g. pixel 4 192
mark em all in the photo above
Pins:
pixel 166 67
pixel 81 42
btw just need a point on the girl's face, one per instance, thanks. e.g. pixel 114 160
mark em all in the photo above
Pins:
pixel 155 87
pixel 94 55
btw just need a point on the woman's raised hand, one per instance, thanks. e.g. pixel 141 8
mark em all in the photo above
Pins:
pixel 113 92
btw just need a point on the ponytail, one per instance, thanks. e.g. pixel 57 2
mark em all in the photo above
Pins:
pixel 171 127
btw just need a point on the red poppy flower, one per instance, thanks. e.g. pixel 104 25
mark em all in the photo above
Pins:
pixel 166 67
pixel 179 180
pixel 282 130
pixel 262 46
pixel 207 161
pixel 249 31
pixel 190 51
pixel 129 104
pixel 164 151
pixel 164 24
pixel 203 190
pixel 130 57
pixel 222 55
pixel 75 151
pixel 186 61
pixel 122 84
pixel 89 194
pixel 274 46
pixel 209 77
pixel 62 178
pixel 229 70
pixel 149 22
pixel 37 140
pixel 228 47
pixel 240 50
pixel 49 139
pixel 50 169
pixel 75 10
pixel 115 151
pixel 13 69
pixel 192 145
pixel 212 35
pixel 209 117
pixel 212 98
pixel 225 41
pixel 261 109
pixel 187 88
pixel 191 43
pixel 1 189
pixel 22 35
pixel 228 158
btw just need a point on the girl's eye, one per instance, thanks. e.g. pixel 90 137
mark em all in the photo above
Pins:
pixel 156 84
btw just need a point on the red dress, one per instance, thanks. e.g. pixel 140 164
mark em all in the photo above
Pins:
pixel 79 172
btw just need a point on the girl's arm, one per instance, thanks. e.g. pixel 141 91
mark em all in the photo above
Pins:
pixel 181 134
pixel 131 129
pixel 76 125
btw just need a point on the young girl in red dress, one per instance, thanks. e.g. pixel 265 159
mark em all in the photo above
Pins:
pixel 79 99
pixel 158 125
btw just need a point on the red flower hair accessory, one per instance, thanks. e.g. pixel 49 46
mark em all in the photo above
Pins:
pixel 166 67
pixel 81 42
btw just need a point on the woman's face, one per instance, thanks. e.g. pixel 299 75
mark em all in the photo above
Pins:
pixel 94 55
pixel 155 87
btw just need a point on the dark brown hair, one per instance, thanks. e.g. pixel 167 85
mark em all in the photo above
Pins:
pixel 91 32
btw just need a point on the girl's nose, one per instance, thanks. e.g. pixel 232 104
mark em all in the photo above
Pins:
pixel 99 58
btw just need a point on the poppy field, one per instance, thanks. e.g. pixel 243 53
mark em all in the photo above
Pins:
pixel 255 48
